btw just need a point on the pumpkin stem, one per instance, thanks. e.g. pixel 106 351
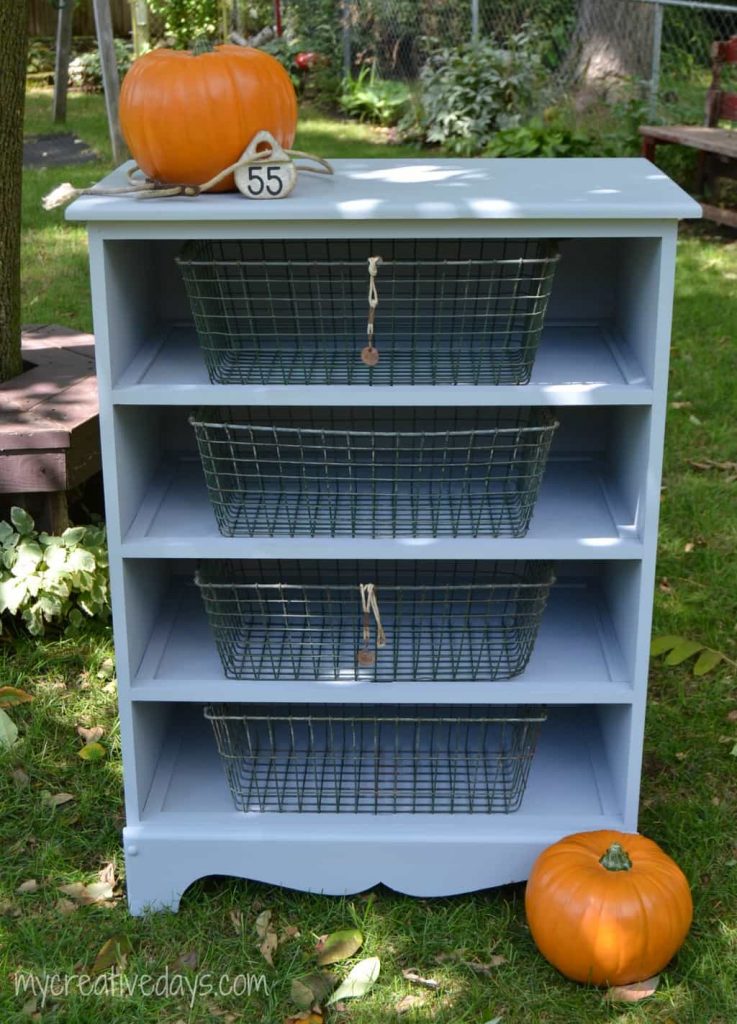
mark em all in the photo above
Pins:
pixel 616 859
pixel 201 45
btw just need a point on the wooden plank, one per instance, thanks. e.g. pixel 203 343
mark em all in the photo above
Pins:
pixel 19 437
pixel 712 140
pixel 34 472
pixel 720 215
pixel 34 388
pixel 83 456
pixel 52 336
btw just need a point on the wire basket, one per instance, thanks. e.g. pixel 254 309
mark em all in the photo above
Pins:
pixel 297 312
pixel 376 760
pixel 374 621
pixel 373 473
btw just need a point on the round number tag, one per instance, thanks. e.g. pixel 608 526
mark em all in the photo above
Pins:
pixel 267 172
pixel 265 180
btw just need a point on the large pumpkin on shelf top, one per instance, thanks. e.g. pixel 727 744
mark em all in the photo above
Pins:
pixel 607 908
pixel 188 115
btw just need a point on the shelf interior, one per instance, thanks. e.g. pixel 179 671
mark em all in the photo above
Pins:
pixel 590 500
pixel 577 503
pixel 577 656
pixel 570 785
pixel 598 339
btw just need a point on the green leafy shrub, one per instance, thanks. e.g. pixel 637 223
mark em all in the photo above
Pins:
pixel 185 20
pixel 542 136
pixel 313 26
pixel 41 57
pixel 371 98
pixel 85 71
pixel 52 580
pixel 471 91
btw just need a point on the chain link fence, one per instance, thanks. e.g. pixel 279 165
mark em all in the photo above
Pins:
pixel 662 44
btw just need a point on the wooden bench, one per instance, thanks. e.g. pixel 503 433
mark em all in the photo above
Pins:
pixel 717 146
pixel 49 424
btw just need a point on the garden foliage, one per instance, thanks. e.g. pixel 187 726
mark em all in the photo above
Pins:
pixel 52 580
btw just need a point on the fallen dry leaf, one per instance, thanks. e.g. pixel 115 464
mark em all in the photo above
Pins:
pixel 267 935
pixel 485 968
pixel 10 696
pixel 664 586
pixel 31 885
pixel 107 874
pixel 113 953
pixel 409 1002
pixel 95 892
pixel 268 947
pixel 416 979
pixel 20 778
pixel 312 989
pixel 732 716
pixel 474 965
pixel 635 992
pixel 680 405
pixel 57 799
pixel 185 961
pixel 262 923
pixel 92 752
pixel 688 548
pixel 308 1017
pixel 236 917
pixel 338 946
pixel 65 907
pixel 8 909
pixel 290 932
pixel 91 735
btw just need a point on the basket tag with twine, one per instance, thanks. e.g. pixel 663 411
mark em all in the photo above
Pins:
pixel 369 607
pixel 370 353
pixel 264 171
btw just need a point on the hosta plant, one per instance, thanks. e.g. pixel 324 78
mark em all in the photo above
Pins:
pixel 49 580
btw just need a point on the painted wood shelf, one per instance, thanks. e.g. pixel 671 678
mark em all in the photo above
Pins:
pixel 570 788
pixel 576 364
pixel 577 658
pixel 602 363
pixel 578 515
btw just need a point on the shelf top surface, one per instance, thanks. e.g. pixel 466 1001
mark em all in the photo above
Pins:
pixel 439 188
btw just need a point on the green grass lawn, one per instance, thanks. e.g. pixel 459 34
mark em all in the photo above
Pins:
pixel 689 798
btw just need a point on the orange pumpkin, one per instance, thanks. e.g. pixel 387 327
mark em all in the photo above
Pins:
pixel 187 116
pixel 607 908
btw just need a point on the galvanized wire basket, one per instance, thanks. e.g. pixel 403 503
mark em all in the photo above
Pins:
pixel 368 759
pixel 375 621
pixel 297 312
pixel 373 473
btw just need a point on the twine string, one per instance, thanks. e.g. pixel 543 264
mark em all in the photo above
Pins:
pixel 370 607
pixel 373 297
pixel 149 189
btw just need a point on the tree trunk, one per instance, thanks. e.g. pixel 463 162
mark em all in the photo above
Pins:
pixel 615 41
pixel 13 52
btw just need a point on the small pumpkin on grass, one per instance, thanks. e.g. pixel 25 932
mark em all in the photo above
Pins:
pixel 187 116
pixel 607 908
